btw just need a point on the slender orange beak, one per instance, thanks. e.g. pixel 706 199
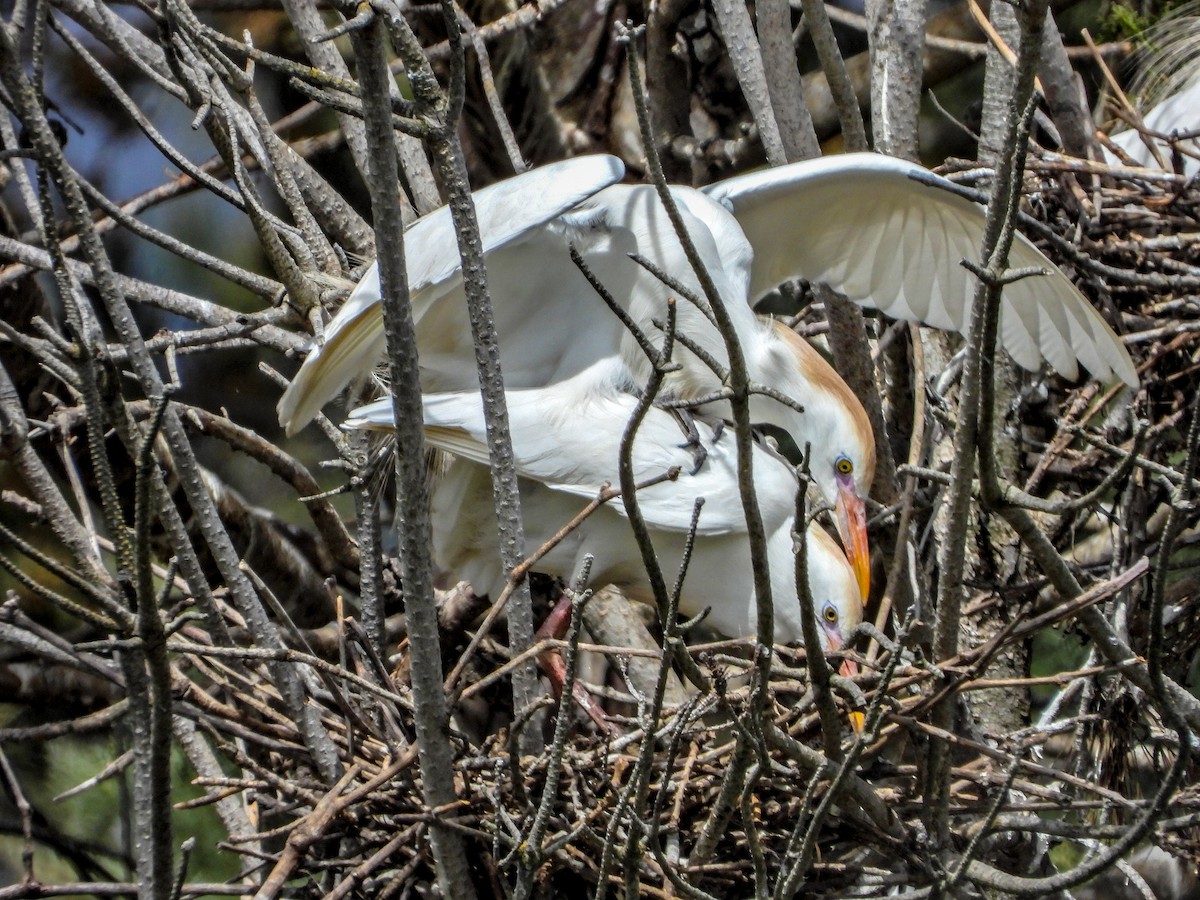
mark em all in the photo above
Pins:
pixel 848 669
pixel 852 527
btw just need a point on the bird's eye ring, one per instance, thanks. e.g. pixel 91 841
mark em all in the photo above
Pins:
pixel 830 613
pixel 844 466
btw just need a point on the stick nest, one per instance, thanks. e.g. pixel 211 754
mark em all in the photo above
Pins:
pixel 723 788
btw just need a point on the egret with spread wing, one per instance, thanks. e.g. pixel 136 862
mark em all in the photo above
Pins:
pixel 883 231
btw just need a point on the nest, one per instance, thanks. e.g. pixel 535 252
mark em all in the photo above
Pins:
pixel 663 815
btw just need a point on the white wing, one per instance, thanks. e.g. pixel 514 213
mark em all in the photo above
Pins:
pixel 550 321
pixel 506 211
pixel 865 225
pixel 1180 112
pixel 567 436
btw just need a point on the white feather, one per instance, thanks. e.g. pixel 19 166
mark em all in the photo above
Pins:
pixel 865 224
pixel 567 451
pixel 506 211
pixel 862 222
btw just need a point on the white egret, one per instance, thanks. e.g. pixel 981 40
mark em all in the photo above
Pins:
pixel 566 440
pixel 877 229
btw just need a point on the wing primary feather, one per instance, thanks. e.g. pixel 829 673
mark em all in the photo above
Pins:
pixel 505 210
pixel 889 212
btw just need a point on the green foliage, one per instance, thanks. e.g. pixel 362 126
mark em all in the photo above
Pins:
pixel 1122 22
pixel 93 821
pixel 1053 651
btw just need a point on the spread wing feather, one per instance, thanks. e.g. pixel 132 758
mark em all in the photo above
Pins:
pixel 883 232
pixel 506 211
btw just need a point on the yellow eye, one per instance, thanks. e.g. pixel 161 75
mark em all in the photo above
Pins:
pixel 830 614
pixel 844 466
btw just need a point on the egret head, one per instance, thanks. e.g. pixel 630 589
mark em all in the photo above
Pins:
pixel 835 427
pixel 834 587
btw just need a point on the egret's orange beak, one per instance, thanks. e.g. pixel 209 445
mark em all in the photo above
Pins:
pixel 848 669
pixel 852 527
